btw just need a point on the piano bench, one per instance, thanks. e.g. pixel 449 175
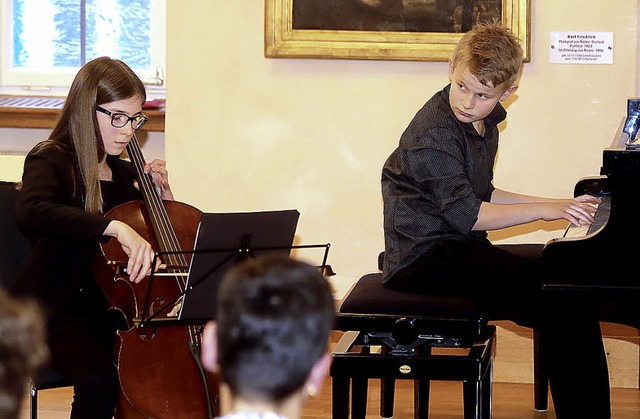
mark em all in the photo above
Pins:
pixel 391 335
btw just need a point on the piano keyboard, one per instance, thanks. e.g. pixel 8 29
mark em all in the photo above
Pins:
pixel 601 217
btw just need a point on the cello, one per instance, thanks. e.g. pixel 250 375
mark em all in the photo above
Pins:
pixel 159 367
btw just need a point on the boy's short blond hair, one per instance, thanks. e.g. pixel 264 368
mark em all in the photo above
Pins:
pixel 492 54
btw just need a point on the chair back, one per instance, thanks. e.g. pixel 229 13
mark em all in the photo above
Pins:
pixel 14 246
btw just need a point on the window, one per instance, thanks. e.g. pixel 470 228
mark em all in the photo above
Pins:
pixel 45 42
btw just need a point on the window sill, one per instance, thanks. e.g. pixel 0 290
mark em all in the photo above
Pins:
pixel 43 113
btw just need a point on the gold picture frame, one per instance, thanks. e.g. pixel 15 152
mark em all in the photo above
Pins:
pixel 283 41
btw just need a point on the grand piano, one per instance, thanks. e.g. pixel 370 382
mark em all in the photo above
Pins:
pixel 603 257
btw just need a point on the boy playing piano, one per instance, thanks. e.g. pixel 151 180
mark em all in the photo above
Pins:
pixel 439 202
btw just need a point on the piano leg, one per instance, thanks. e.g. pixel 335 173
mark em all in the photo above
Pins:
pixel 540 375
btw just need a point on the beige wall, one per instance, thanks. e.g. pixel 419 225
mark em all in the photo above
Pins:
pixel 247 133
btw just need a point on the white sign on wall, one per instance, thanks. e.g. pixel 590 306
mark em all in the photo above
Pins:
pixel 581 48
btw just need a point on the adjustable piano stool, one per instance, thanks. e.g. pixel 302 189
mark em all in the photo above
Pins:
pixel 393 335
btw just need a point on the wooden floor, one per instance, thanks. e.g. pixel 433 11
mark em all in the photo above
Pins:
pixel 510 401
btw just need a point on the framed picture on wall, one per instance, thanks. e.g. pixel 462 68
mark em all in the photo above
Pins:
pixel 410 30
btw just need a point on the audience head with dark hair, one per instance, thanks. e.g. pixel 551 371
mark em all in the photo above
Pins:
pixel 22 350
pixel 270 338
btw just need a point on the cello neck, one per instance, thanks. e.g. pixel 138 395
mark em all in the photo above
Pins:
pixel 159 219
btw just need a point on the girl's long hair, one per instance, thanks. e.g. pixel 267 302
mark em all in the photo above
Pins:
pixel 100 81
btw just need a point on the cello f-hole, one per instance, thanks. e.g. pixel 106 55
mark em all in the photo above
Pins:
pixel 156 305
pixel 145 336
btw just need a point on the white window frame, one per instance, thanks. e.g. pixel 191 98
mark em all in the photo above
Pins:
pixel 57 82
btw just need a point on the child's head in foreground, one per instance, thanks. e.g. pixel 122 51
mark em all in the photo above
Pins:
pixel 274 317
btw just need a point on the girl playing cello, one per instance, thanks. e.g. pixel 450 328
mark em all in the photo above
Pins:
pixel 69 182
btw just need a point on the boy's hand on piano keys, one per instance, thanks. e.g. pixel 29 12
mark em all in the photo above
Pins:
pixel 586 207
pixel 578 211
pixel 588 199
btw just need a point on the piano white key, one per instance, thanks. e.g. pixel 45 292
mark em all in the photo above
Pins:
pixel 576 231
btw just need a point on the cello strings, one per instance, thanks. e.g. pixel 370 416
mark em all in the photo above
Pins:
pixel 166 234
pixel 167 238
pixel 149 191
pixel 151 195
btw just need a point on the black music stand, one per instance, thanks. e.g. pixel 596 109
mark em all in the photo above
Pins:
pixel 223 240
